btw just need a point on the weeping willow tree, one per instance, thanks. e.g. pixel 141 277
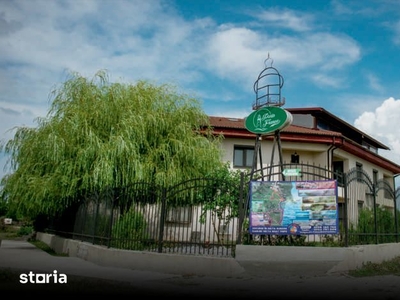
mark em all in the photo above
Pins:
pixel 99 135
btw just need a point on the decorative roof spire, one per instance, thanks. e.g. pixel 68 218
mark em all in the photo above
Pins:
pixel 268 87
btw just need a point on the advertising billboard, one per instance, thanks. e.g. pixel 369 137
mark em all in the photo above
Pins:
pixel 293 207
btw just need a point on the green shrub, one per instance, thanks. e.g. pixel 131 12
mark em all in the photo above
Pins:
pixel 365 232
pixel 129 232
pixel 25 230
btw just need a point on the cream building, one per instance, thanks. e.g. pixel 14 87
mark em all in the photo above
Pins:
pixel 316 137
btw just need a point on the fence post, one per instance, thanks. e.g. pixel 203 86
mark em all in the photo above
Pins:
pixel 109 237
pixel 396 224
pixel 345 217
pixel 240 210
pixel 162 219
pixel 375 215
pixel 96 219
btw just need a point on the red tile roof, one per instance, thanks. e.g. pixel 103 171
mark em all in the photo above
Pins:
pixel 234 127
pixel 220 123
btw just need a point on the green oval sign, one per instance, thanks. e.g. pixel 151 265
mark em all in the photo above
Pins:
pixel 268 119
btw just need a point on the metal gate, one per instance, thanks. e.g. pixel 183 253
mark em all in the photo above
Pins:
pixel 210 216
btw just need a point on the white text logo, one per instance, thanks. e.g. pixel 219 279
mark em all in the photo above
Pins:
pixel 43 278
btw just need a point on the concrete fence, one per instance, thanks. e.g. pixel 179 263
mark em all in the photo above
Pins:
pixel 250 260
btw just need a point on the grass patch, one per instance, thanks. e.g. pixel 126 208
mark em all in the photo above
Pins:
pixel 26 233
pixel 15 232
pixel 9 235
pixel 390 267
pixel 9 232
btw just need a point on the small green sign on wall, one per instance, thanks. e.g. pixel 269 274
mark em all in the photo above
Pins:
pixel 267 120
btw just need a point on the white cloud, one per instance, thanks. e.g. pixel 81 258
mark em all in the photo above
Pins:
pixel 326 80
pixel 287 19
pixel 235 53
pixel 356 8
pixel 396 31
pixel 148 40
pixel 136 37
pixel 42 41
pixel 340 8
pixel 382 125
pixel 374 82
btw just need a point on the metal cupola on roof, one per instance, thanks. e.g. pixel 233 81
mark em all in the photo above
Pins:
pixel 268 87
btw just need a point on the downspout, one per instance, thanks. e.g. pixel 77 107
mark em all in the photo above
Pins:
pixel 330 154
pixel 329 158
pixel 330 150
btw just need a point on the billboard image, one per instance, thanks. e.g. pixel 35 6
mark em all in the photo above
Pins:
pixel 293 207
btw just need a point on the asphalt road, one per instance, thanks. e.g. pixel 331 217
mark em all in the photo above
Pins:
pixel 18 259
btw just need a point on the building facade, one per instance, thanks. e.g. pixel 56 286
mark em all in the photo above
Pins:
pixel 315 136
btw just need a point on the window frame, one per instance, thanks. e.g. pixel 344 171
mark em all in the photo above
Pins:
pixel 244 149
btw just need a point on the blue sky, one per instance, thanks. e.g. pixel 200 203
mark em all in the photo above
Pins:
pixel 339 55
